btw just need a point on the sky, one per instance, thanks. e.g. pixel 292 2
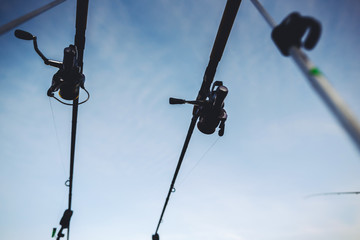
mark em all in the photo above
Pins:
pixel 281 143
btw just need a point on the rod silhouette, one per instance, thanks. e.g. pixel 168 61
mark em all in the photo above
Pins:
pixel 11 25
pixel 222 36
pixel 81 20
pixel 331 193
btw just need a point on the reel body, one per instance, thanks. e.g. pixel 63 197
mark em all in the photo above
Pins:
pixel 213 113
pixel 68 79
pixel 296 30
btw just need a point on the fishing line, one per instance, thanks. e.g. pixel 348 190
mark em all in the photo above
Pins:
pixel 198 161
pixel 57 138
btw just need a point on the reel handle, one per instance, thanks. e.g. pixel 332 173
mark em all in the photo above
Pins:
pixel 182 101
pixel 23 35
pixel 176 101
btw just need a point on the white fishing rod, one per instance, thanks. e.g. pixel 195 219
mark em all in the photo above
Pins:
pixel 321 85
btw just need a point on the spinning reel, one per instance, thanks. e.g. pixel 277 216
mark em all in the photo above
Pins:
pixel 211 112
pixel 293 29
pixel 68 79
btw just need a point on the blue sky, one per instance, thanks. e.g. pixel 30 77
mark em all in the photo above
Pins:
pixel 281 143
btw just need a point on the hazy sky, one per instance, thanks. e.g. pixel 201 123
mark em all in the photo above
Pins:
pixel 281 143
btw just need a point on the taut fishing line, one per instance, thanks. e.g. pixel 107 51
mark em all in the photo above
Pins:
pixel 59 147
pixel 198 161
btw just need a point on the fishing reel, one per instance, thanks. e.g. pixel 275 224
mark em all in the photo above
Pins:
pixel 68 79
pixel 291 31
pixel 211 111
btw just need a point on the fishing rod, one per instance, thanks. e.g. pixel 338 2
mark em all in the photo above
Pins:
pixel 10 25
pixel 288 38
pixel 332 193
pixel 67 81
pixel 209 104
pixel 81 20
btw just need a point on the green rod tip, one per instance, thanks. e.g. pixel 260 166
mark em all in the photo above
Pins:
pixel 53 232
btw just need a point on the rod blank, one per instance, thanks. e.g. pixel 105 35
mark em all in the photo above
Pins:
pixel 321 85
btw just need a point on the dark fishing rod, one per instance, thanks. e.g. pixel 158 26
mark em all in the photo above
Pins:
pixel 11 25
pixel 331 193
pixel 67 81
pixel 208 106
pixel 288 37
pixel 81 20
